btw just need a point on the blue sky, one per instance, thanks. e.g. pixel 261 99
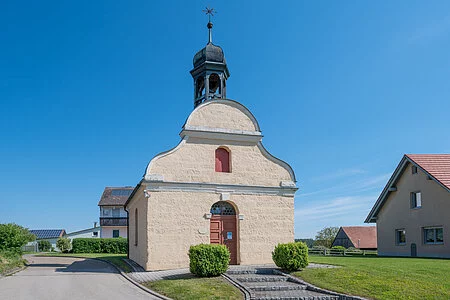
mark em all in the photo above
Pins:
pixel 91 91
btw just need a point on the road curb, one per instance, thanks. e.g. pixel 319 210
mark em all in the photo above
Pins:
pixel 238 285
pixel 14 271
pixel 134 281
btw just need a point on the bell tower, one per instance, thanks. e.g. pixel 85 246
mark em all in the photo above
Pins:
pixel 210 71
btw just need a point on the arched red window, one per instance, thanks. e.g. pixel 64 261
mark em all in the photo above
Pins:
pixel 222 160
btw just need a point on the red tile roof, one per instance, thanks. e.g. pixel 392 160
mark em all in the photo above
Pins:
pixel 367 236
pixel 437 165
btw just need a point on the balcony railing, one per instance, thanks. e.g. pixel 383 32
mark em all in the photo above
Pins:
pixel 113 221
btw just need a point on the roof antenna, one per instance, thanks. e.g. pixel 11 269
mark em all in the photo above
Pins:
pixel 210 12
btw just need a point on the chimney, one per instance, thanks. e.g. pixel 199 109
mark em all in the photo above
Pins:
pixel 95 224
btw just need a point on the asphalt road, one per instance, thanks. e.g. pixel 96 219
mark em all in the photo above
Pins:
pixel 68 278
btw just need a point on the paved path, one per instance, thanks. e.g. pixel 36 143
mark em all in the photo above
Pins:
pixel 143 276
pixel 68 278
pixel 259 281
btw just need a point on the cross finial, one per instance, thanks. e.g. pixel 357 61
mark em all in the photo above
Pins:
pixel 210 12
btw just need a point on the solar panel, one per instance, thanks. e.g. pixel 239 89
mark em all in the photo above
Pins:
pixel 46 233
pixel 121 192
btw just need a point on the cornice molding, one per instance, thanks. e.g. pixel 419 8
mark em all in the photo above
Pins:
pixel 159 186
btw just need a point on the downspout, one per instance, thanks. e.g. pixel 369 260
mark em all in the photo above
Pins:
pixel 128 233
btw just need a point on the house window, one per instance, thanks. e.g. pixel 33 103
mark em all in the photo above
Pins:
pixel 116 212
pixel 400 236
pixel 223 160
pixel 115 233
pixel 433 235
pixel 414 169
pixel 416 200
pixel 95 234
pixel 136 227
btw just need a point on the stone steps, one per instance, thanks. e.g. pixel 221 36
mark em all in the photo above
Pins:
pixel 269 284
pixel 292 295
pixel 261 278
pixel 275 286
pixel 268 271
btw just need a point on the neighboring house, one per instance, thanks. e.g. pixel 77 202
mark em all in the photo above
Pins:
pixel 51 235
pixel 218 186
pixel 359 237
pixel 113 217
pixel 412 212
pixel 93 232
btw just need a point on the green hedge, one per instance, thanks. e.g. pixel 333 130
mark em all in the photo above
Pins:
pixel 338 248
pixel 291 256
pixel 99 245
pixel 207 260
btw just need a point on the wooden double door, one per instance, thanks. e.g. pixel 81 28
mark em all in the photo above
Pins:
pixel 223 230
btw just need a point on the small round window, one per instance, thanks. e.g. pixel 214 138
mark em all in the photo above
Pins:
pixel 223 208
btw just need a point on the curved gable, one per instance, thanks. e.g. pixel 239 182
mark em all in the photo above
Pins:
pixel 225 114
pixel 215 124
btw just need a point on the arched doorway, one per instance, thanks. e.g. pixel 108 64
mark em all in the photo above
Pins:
pixel 223 228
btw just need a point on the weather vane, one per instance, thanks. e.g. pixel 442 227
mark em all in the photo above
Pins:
pixel 210 12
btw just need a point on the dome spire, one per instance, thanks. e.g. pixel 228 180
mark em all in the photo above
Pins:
pixel 210 71
pixel 210 12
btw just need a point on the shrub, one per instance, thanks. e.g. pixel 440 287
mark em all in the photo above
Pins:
pixel 207 260
pixel 291 256
pixel 100 245
pixel 44 245
pixel 353 249
pixel 63 244
pixel 319 248
pixel 13 237
pixel 338 248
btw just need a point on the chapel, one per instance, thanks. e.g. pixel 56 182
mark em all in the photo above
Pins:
pixel 219 185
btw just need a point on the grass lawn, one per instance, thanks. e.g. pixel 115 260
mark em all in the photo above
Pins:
pixel 196 288
pixel 116 259
pixel 381 277
pixel 10 261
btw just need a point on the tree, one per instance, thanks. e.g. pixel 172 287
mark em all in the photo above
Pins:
pixel 63 244
pixel 44 245
pixel 326 236
pixel 13 237
pixel 308 242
